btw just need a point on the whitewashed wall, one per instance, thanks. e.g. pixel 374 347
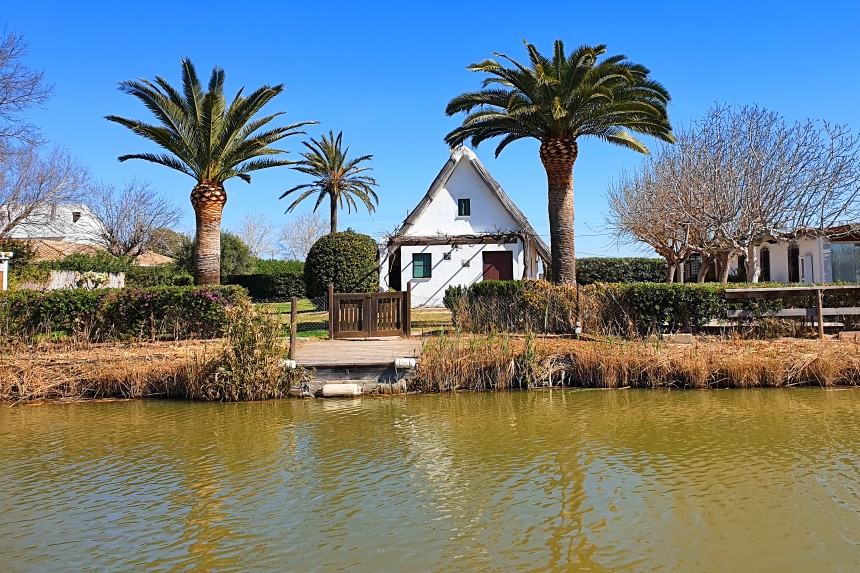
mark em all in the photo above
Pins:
pixel 440 217
pixel 429 292
pixel 487 216
pixel 818 248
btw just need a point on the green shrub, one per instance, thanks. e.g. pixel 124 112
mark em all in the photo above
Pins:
pixel 275 267
pixel 347 260
pixel 159 275
pixel 272 287
pixel 101 262
pixel 634 309
pixel 620 270
pixel 249 367
pixel 644 308
pixel 236 256
pixel 119 314
pixel 513 306
pixel 22 250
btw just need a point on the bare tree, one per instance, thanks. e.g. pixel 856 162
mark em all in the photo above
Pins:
pixel 258 233
pixel 299 235
pixel 642 212
pixel 736 179
pixel 131 217
pixel 170 243
pixel 20 89
pixel 31 185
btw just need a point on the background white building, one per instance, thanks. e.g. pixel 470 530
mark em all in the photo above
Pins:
pixel 68 223
pixel 464 230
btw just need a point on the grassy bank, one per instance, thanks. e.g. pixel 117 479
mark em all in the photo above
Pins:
pixel 490 362
pixel 244 365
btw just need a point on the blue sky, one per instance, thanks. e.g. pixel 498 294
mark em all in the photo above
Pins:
pixel 383 72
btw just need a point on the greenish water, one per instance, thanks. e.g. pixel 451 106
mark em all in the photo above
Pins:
pixel 753 480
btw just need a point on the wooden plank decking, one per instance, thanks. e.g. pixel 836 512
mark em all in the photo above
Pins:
pixel 350 353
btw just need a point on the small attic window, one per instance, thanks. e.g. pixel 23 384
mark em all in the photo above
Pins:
pixel 75 216
pixel 464 207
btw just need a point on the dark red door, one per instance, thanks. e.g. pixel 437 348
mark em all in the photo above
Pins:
pixel 498 265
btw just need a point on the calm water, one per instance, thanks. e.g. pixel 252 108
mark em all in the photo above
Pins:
pixel 564 481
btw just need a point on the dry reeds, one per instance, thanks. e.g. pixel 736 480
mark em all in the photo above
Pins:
pixel 245 365
pixel 499 362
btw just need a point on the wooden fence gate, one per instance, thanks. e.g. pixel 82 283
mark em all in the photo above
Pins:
pixel 363 315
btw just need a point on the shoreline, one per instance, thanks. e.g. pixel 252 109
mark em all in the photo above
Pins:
pixel 58 373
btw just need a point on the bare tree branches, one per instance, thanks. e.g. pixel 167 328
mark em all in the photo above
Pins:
pixel 131 217
pixel 735 179
pixel 258 233
pixel 20 89
pixel 298 236
pixel 31 184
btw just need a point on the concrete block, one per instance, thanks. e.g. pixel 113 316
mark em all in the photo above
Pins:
pixel 340 390
pixel 677 338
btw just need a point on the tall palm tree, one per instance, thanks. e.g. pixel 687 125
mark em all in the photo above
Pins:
pixel 557 101
pixel 210 141
pixel 340 179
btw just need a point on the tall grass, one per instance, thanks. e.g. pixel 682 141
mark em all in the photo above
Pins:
pixel 496 362
pixel 244 365
pixel 248 366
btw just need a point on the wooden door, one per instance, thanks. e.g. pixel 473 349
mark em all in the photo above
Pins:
pixel 360 315
pixel 498 265
pixel 349 318
pixel 387 315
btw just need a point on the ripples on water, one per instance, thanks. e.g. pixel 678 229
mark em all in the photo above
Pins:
pixel 601 481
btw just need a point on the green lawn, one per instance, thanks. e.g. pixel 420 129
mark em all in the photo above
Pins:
pixel 313 323
pixel 305 305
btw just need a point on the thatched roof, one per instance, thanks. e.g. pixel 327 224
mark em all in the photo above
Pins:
pixel 463 153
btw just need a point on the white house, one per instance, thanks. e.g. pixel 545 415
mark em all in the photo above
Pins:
pixel 68 223
pixel 464 230
pixel 833 257
pixel 811 258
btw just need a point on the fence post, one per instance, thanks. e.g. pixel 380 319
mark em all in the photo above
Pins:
pixel 330 311
pixel 820 301
pixel 294 316
pixel 407 309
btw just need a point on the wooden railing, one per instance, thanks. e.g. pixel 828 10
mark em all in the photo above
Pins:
pixel 817 292
pixel 363 315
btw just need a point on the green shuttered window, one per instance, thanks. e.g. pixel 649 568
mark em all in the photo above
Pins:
pixel 421 266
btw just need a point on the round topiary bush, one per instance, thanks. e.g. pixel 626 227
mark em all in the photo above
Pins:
pixel 347 260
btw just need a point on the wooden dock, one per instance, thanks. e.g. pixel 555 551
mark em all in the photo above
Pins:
pixel 368 363
pixel 347 353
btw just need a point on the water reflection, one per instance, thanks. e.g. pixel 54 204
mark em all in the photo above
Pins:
pixel 557 481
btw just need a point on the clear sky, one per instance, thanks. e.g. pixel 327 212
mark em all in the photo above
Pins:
pixel 383 72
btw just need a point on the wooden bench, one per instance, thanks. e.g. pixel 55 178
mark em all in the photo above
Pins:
pixel 818 292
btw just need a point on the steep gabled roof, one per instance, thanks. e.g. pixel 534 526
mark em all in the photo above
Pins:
pixel 463 153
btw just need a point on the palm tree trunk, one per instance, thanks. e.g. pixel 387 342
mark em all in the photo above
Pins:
pixel 333 215
pixel 558 157
pixel 208 199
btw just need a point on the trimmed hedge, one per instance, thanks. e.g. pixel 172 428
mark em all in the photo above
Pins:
pixel 635 309
pixel 272 286
pixel 513 306
pixel 277 267
pixel 620 270
pixel 100 262
pixel 347 260
pixel 159 275
pixel 120 314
